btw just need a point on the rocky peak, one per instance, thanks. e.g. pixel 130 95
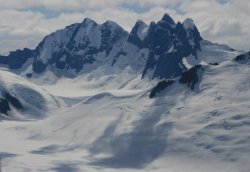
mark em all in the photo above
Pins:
pixel 167 19
pixel 88 21
pixel 138 33
pixel 192 33
pixel 139 28
pixel 159 48
pixel 169 43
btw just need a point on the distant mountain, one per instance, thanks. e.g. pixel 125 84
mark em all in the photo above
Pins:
pixel 243 58
pixel 155 51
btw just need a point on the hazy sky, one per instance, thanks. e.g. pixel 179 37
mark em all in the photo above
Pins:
pixel 23 23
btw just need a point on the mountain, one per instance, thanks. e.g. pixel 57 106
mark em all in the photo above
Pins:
pixel 169 43
pixel 94 97
pixel 155 51
pixel 70 49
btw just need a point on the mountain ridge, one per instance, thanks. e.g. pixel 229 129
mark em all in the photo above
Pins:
pixel 157 47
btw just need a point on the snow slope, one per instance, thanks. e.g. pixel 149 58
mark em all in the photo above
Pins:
pixel 24 100
pixel 205 129
pixel 210 54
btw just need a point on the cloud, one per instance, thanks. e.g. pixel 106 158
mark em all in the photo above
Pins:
pixel 221 22
pixel 19 29
pixel 23 25
pixel 59 4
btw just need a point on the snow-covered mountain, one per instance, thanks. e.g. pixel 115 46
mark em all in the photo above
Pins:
pixel 155 51
pixel 70 49
pixel 160 98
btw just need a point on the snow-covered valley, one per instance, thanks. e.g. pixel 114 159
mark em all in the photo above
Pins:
pixel 123 130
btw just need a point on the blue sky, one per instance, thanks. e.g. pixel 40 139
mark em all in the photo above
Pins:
pixel 24 23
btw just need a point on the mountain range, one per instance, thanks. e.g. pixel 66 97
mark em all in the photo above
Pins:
pixel 94 97
pixel 156 50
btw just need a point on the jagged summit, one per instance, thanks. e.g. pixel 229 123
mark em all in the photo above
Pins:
pixel 156 50
pixel 110 24
pixel 139 25
pixel 88 20
pixel 167 19
pixel 169 43
pixel 138 33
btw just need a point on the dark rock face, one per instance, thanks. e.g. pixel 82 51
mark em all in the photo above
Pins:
pixel 160 87
pixel 4 106
pixel 110 36
pixel 169 43
pixel 38 66
pixel 190 77
pixel 133 36
pixel 16 59
pixel 29 75
pixel 243 58
pixel 5 102
pixel 214 64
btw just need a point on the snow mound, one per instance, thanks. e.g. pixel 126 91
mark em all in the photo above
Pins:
pixel 22 99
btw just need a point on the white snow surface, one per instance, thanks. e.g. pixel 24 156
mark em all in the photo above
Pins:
pixel 109 123
pixel 188 24
pixel 210 53
pixel 37 102
pixel 142 30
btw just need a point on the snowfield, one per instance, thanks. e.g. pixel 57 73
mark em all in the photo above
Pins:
pixel 109 123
